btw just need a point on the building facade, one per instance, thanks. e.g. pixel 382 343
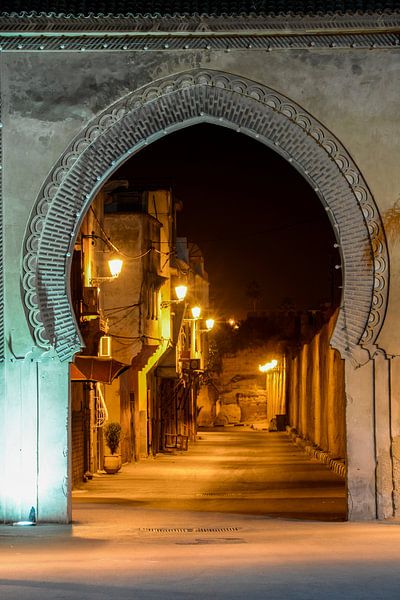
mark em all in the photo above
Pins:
pixel 134 368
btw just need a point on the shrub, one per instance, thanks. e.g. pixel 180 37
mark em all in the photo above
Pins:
pixel 112 434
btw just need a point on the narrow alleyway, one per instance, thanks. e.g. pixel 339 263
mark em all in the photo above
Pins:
pixel 229 470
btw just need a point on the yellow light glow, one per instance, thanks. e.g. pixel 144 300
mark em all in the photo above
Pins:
pixel 268 366
pixel 196 312
pixel 210 324
pixel 115 266
pixel 231 322
pixel 181 291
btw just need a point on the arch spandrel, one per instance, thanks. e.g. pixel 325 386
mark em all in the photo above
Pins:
pixel 179 101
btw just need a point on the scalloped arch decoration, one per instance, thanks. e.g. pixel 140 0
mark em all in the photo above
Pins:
pixel 168 104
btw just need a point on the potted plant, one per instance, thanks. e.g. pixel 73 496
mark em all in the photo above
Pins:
pixel 112 436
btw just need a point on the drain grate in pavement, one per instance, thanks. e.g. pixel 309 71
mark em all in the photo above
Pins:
pixel 188 529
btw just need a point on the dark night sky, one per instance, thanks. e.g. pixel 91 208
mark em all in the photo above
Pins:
pixel 251 213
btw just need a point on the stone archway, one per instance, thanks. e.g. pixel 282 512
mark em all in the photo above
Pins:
pixel 179 101
pixel 140 118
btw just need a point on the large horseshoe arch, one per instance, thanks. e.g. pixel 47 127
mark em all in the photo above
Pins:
pixel 179 101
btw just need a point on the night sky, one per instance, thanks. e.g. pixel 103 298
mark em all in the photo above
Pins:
pixel 252 214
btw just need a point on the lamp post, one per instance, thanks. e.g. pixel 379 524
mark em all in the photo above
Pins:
pixel 196 312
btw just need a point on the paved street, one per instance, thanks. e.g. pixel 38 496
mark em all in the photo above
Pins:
pixel 229 470
pixel 243 514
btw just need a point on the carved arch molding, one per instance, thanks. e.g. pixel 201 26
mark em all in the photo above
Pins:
pixel 171 103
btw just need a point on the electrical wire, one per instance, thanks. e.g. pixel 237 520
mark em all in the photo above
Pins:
pixel 160 251
pixel 113 246
pixel 138 337
pixel 128 313
pixel 103 230
pixel 125 337
pixel 116 309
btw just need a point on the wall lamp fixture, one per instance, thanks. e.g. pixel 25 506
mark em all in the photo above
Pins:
pixel 209 325
pixel 196 312
pixel 114 263
pixel 115 266
pixel 180 292
pixel 93 236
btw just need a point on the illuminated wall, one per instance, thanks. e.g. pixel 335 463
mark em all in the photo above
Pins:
pixel 34 429
pixel 316 393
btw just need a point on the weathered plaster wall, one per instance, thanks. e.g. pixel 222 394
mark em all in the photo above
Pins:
pixel 206 405
pixel 49 97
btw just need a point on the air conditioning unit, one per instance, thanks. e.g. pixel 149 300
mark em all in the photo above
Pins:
pixel 193 364
pixel 105 346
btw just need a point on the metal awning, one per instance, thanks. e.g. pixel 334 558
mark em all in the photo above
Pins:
pixel 95 368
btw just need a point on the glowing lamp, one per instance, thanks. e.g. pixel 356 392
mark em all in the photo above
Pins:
pixel 268 366
pixel 196 312
pixel 181 291
pixel 210 324
pixel 115 266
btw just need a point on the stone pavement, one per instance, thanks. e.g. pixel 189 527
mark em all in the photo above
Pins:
pixel 210 523
pixel 229 469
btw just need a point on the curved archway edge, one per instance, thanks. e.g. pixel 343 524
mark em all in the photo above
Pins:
pixel 179 101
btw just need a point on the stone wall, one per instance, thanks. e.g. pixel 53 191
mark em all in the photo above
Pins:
pixel 243 395
pixel 316 393
pixel 56 104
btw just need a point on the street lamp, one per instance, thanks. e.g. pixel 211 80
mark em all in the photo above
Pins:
pixel 275 382
pixel 196 312
pixel 268 366
pixel 233 323
pixel 180 292
pixel 210 324
pixel 114 263
pixel 115 266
